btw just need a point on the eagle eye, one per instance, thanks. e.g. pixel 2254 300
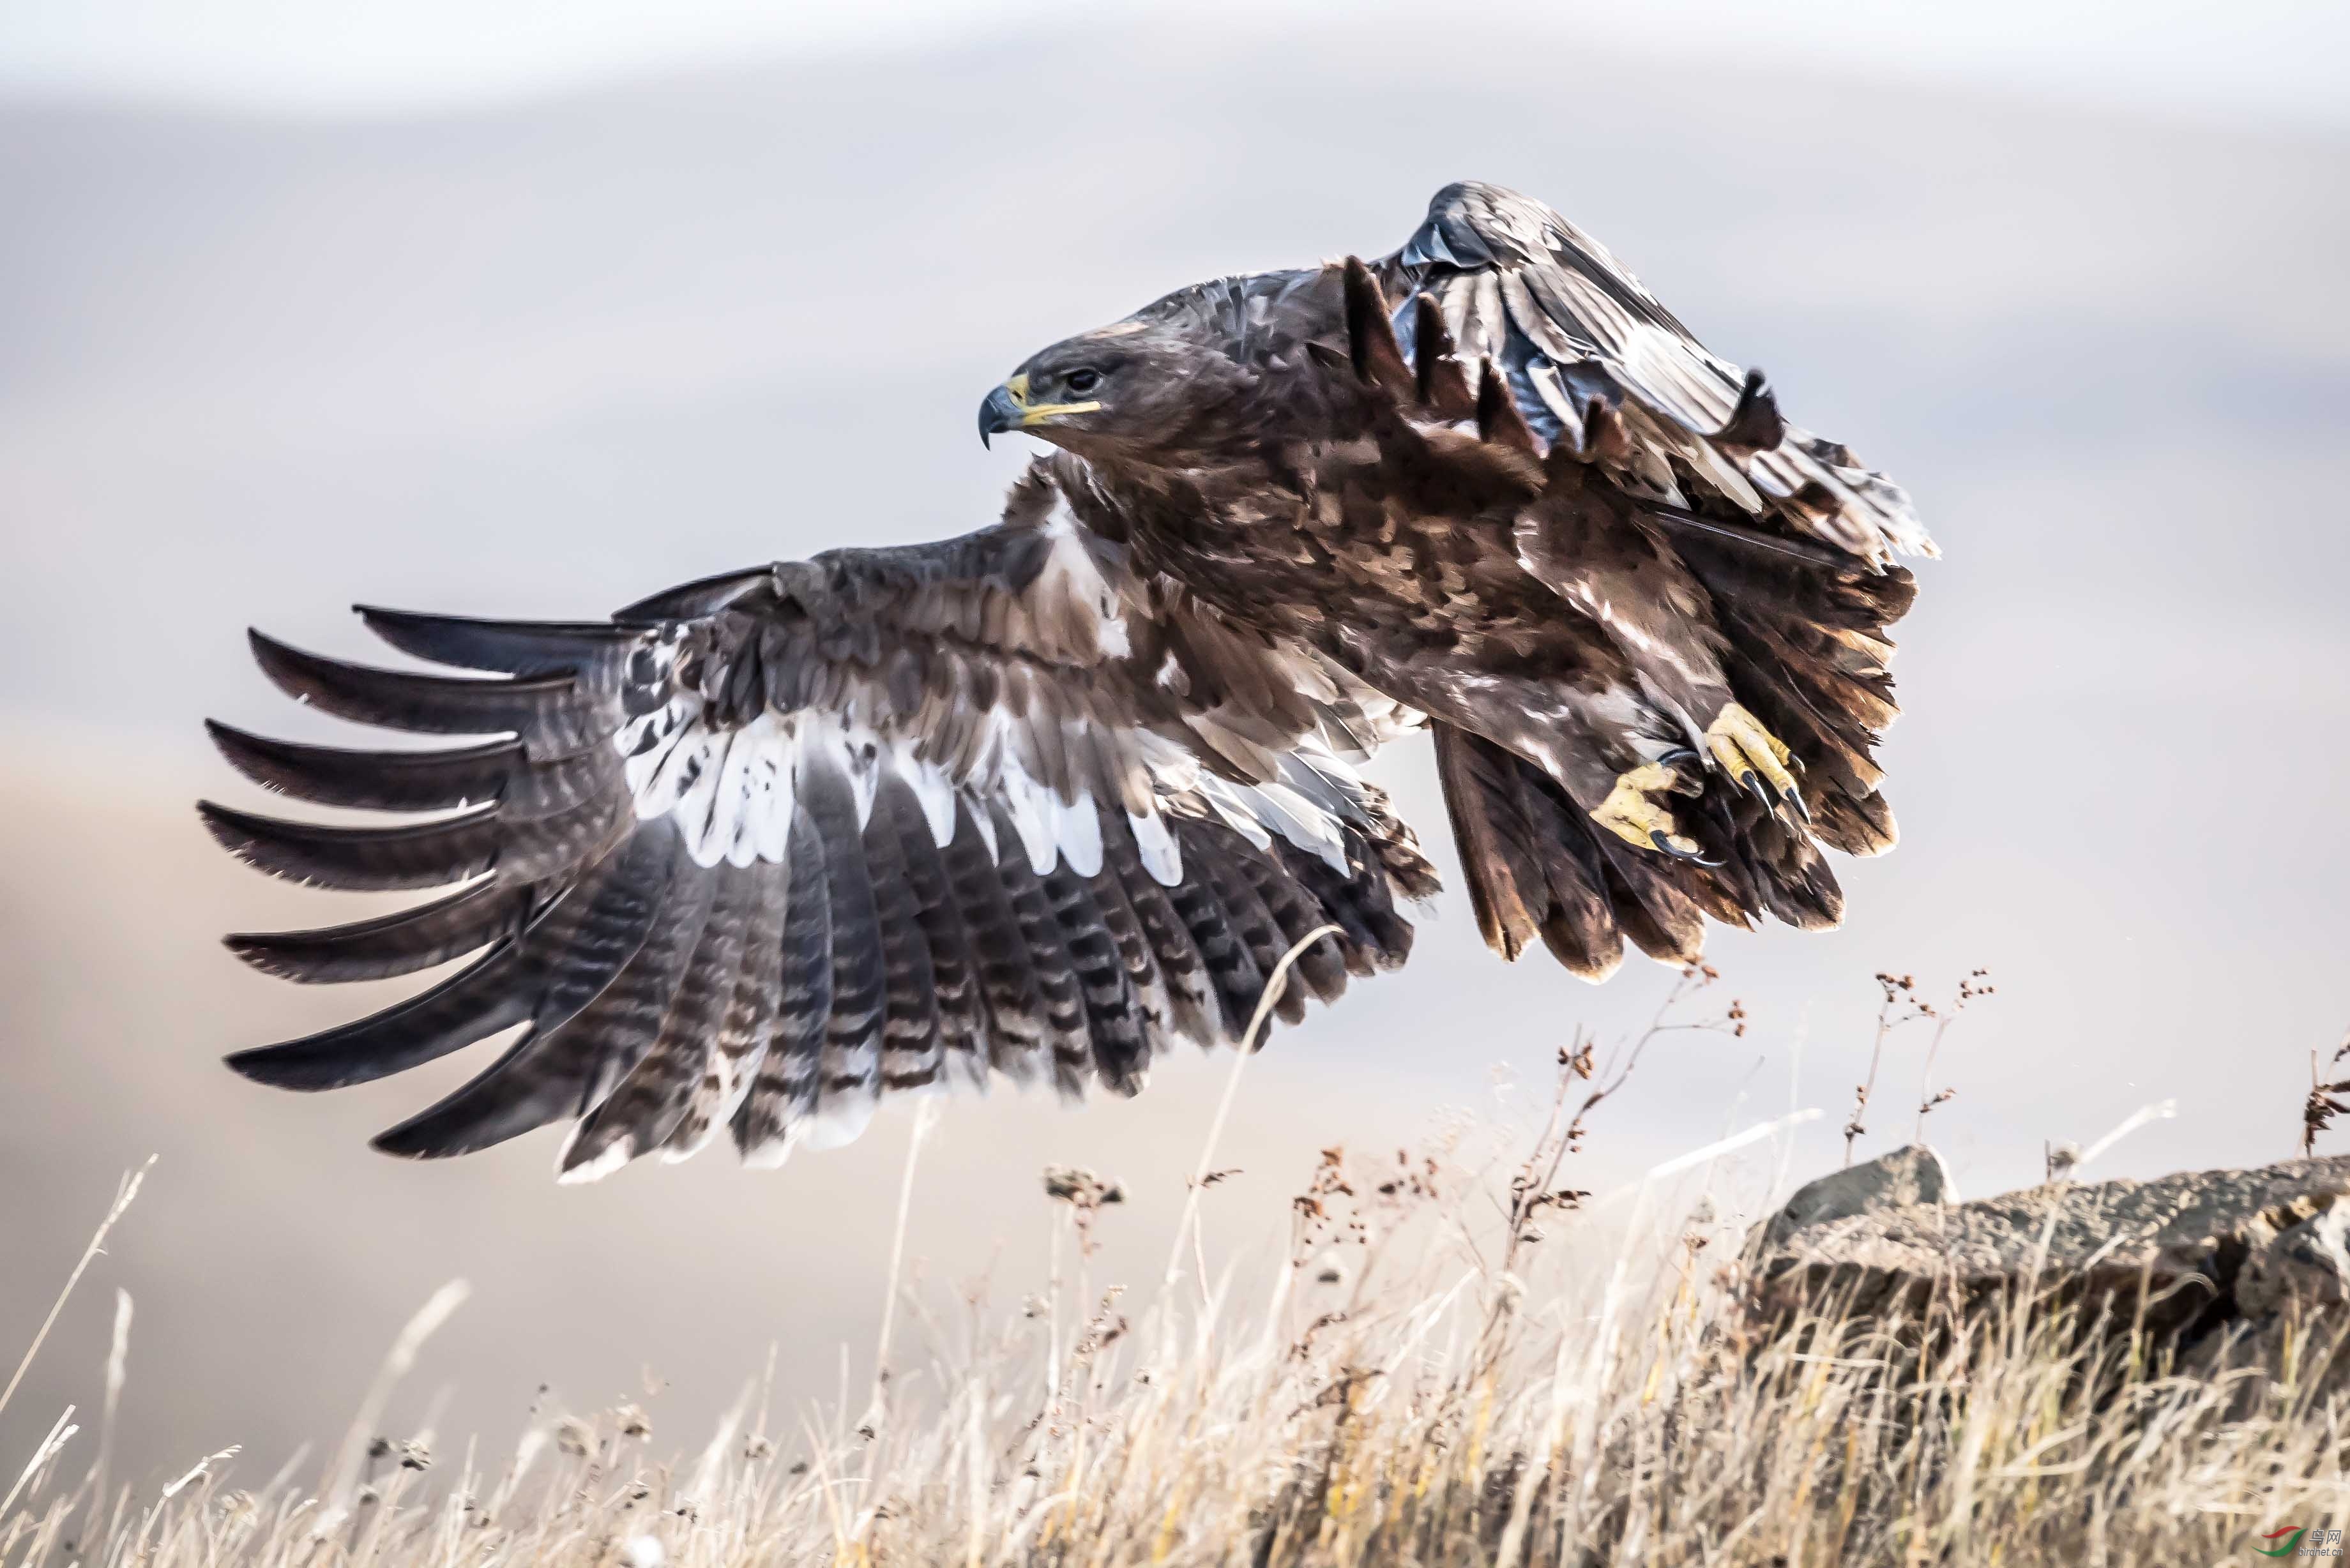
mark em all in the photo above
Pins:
pixel 1084 381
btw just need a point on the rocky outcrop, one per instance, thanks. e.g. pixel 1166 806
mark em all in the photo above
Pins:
pixel 2205 1247
pixel 1902 1179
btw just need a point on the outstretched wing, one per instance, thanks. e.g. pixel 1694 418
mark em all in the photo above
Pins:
pixel 764 848
pixel 1510 279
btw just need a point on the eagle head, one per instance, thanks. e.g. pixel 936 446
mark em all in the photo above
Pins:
pixel 1136 391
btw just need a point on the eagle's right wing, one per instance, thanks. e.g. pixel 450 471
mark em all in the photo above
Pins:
pixel 767 847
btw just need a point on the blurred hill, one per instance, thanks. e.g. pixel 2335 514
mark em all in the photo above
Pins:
pixel 541 359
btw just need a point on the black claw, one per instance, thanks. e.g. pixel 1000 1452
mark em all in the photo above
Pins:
pixel 1761 788
pixel 1664 846
pixel 1795 799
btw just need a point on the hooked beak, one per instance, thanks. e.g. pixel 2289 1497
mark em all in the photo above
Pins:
pixel 1001 412
pixel 1008 409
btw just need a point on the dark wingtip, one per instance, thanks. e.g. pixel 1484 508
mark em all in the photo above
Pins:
pixel 231 829
pixel 280 1069
pixel 475 1002
pixel 1755 425
pixel 704 595
pixel 391 624
pixel 233 744
pixel 253 947
pixel 244 1065
pixel 268 843
pixel 285 664
pixel 406 1141
pixel 525 649
pixel 1371 340
pixel 1442 383
pixel 480 1114
pixel 271 764
pixel 1499 420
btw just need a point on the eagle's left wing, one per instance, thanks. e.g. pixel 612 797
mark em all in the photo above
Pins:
pixel 1740 567
pixel 1506 279
pixel 764 848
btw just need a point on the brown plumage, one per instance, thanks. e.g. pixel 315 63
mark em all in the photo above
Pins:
pixel 1038 801
pixel 1492 479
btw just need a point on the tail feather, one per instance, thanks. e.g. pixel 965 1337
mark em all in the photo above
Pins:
pixel 1650 904
pixel 1538 866
pixel 1534 866
pixel 1857 824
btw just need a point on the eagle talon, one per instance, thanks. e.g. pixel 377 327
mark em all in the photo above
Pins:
pixel 1666 845
pixel 1632 813
pixel 1755 758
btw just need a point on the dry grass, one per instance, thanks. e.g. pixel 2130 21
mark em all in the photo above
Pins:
pixel 1454 1364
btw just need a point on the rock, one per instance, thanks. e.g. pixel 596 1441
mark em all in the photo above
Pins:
pixel 1897 1180
pixel 2207 1246
pixel 2306 1265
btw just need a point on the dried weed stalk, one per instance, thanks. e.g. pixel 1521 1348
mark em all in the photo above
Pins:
pixel 2318 1111
pixel 1898 1006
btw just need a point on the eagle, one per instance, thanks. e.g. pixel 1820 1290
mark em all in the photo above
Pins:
pixel 1042 800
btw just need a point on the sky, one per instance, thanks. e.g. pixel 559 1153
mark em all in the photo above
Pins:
pixel 2276 61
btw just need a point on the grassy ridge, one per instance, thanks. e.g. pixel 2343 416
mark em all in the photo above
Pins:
pixel 1461 1360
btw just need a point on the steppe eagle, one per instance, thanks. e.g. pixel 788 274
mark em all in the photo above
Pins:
pixel 1044 798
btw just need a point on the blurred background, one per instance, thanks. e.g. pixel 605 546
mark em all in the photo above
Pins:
pixel 530 309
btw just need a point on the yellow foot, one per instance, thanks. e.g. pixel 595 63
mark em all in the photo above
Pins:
pixel 1632 813
pixel 1753 756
